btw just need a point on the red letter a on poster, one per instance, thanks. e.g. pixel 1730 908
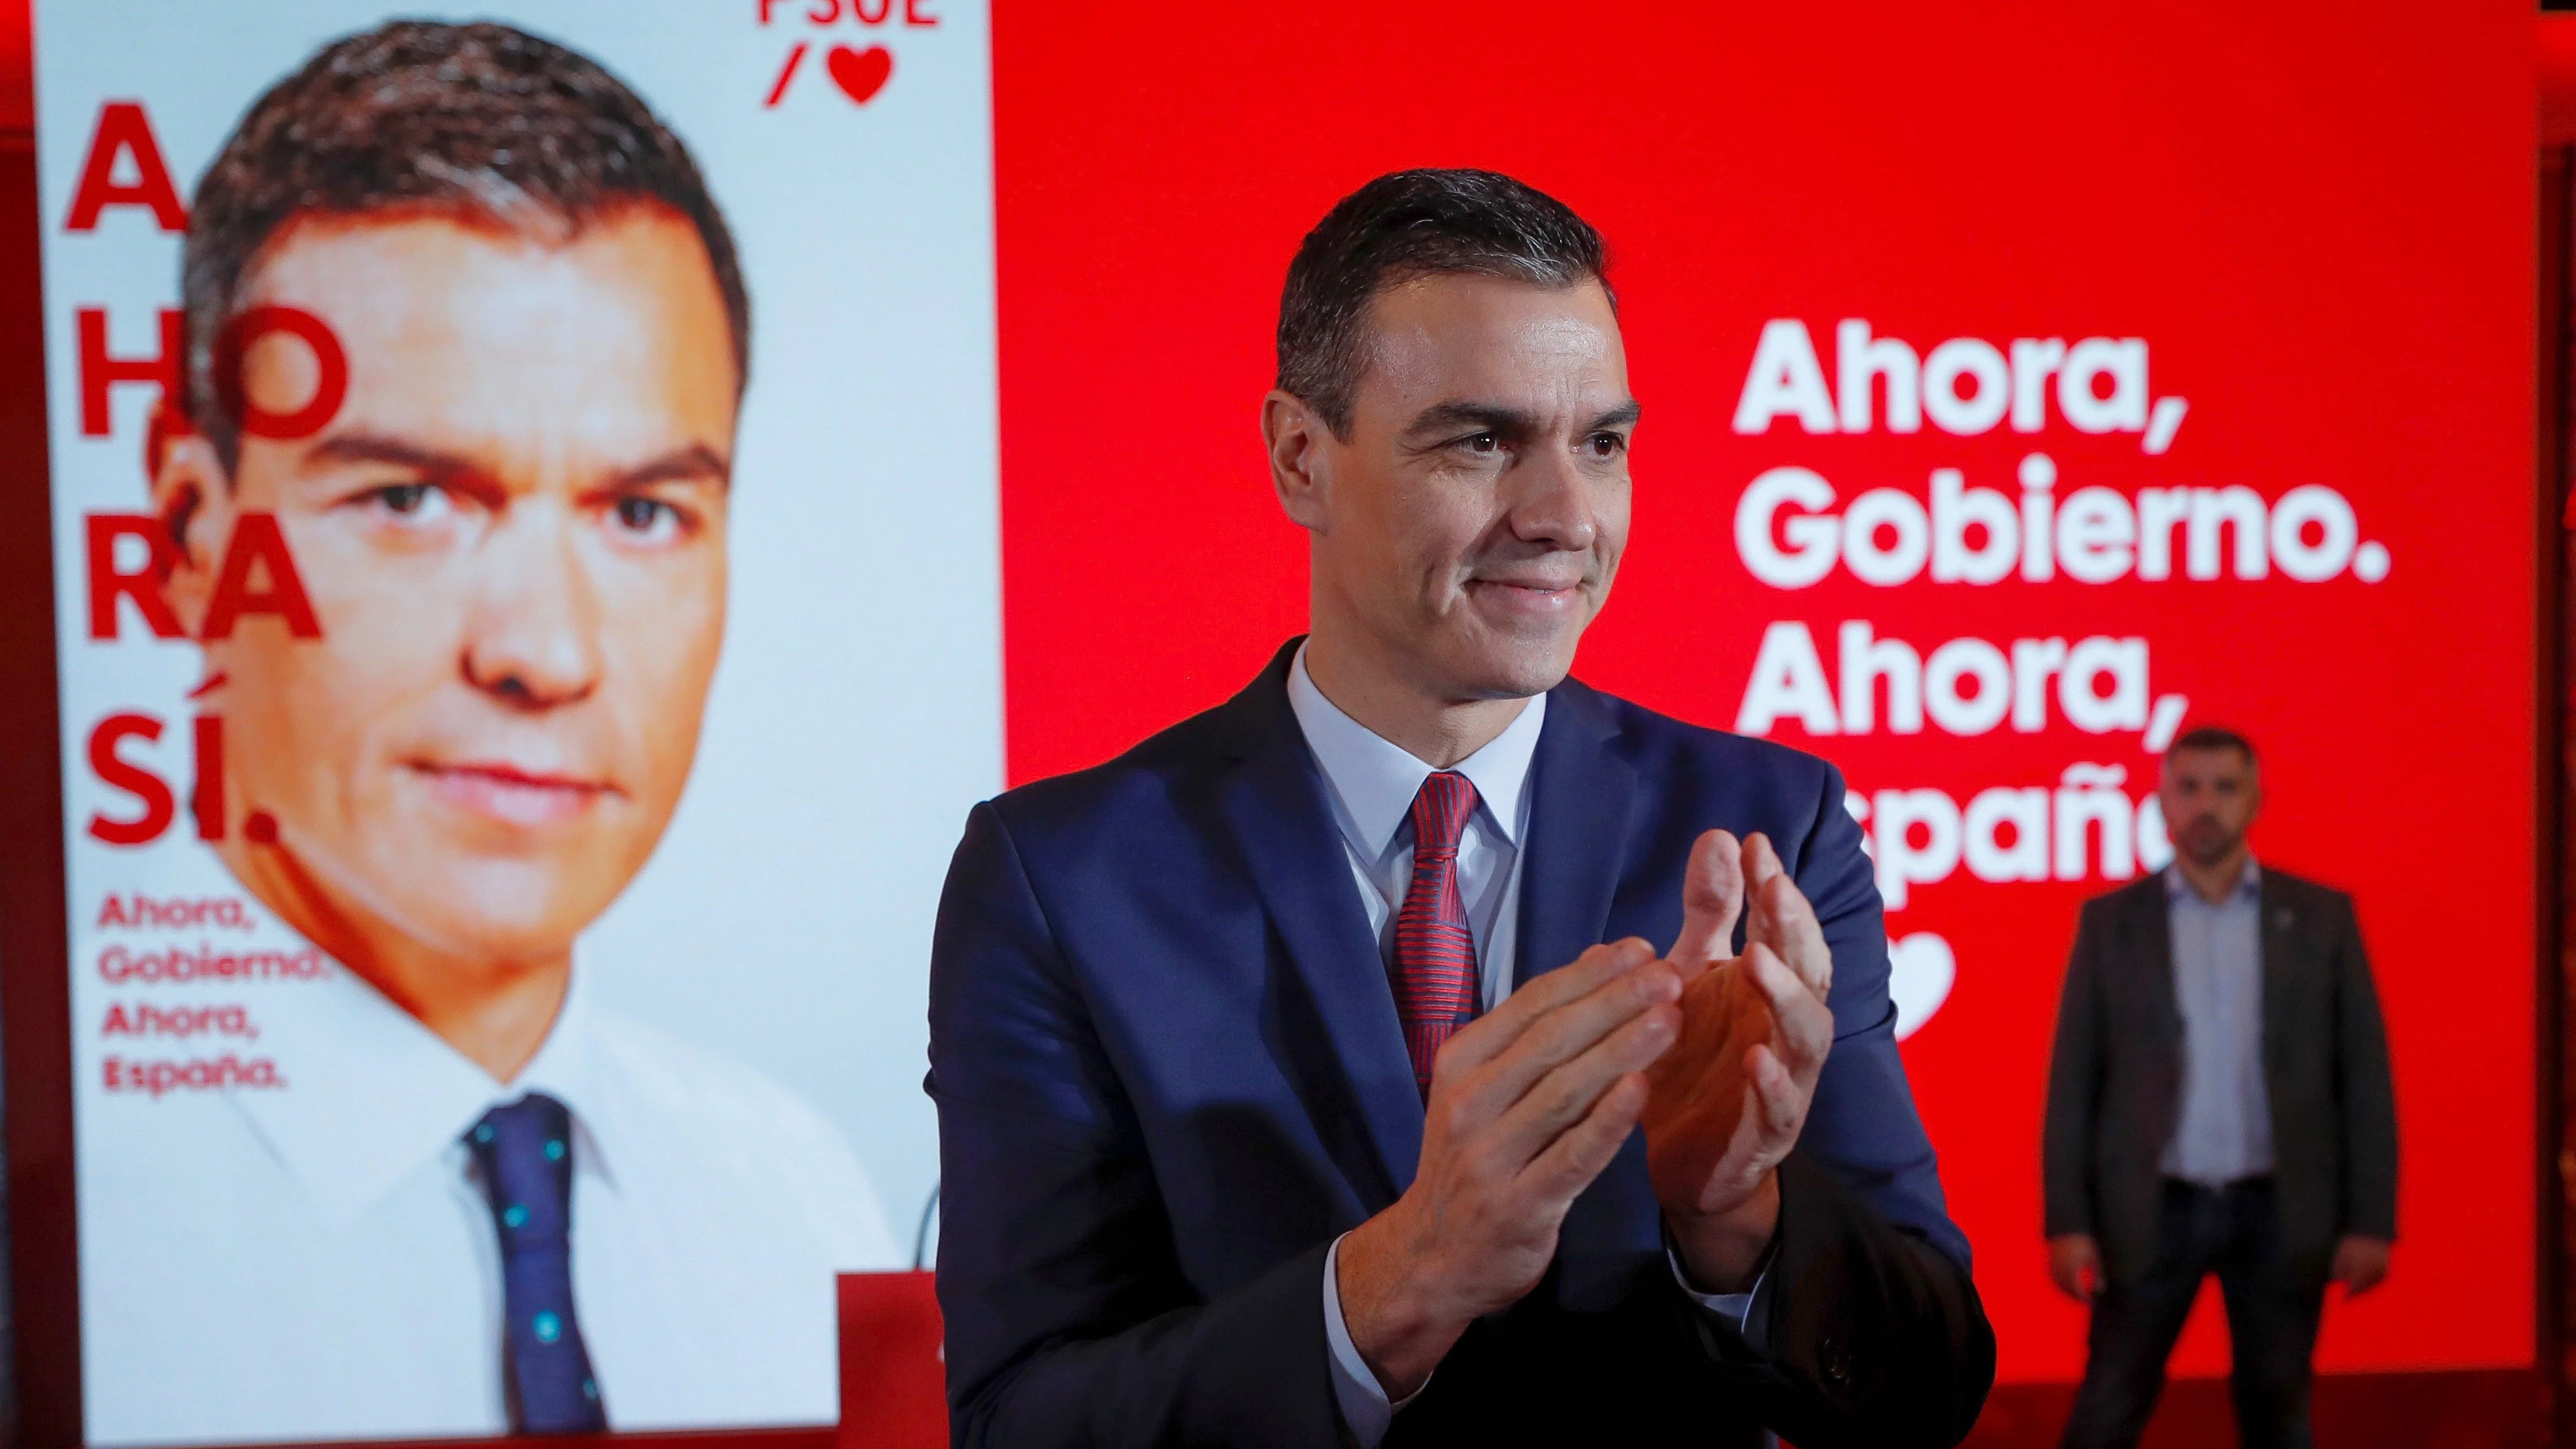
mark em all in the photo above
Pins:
pixel 258 540
pixel 122 126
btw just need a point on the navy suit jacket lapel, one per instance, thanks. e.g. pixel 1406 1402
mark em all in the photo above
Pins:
pixel 2279 943
pixel 2150 932
pixel 1272 800
pixel 1579 824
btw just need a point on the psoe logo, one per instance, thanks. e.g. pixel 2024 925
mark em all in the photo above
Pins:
pixel 858 71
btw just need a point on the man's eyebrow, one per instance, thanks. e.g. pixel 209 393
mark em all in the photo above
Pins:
pixel 680 465
pixel 370 448
pixel 1505 419
pixel 697 460
pixel 1482 416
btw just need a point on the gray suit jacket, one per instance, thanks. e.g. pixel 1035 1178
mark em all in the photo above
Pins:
pixel 2115 1079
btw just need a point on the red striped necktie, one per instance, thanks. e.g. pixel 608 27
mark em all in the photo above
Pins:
pixel 1435 952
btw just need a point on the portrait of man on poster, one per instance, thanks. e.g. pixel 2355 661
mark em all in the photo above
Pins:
pixel 476 1201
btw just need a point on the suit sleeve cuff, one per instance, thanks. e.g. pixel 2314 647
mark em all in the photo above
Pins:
pixel 1366 1410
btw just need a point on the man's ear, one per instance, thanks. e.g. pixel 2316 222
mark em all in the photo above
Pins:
pixel 192 496
pixel 1295 438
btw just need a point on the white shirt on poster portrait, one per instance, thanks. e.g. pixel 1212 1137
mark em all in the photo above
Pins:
pixel 318 1261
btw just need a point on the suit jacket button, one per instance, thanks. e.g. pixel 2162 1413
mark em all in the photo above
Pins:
pixel 1837 1363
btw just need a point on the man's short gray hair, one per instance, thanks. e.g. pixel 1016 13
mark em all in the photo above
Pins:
pixel 1409 224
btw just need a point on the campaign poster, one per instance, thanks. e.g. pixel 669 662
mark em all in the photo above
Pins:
pixel 2022 386
pixel 528 580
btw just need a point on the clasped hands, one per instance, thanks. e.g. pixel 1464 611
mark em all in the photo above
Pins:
pixel 1716 1056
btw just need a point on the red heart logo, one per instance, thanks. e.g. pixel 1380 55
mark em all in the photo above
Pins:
pixel 860 73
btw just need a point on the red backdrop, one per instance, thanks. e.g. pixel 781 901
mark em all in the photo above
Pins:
pixel 2318 214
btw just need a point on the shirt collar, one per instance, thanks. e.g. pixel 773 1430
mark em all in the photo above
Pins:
pixel 2250 883
pixel 369 1095
pixel 1374 780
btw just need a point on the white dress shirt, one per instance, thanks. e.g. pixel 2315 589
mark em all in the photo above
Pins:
pixel 1370 782
pixel 318 1261
pixel 2224 1131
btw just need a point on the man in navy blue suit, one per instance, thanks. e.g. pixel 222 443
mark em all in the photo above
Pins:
pixel 1290 1067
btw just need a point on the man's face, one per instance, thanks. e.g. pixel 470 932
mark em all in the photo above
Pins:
pixel 1469 528
pixel 513 536
pixel 2210 798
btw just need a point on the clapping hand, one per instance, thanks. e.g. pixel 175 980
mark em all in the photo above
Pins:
pixel 1528 1104
pixel 1728 1100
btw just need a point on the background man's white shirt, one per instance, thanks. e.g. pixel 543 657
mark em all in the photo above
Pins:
pixel 318 1261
